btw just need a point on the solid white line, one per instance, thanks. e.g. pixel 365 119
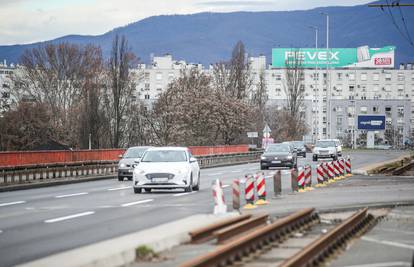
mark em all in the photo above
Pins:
pixel 137 202
pixel 213 174
pixel 383 264
pixel 11 203
pixel 70 217
pixel 119 188
pixel 225 185
pixel 235 171
pixel 390 243
pixel 72 195
pixel 183 194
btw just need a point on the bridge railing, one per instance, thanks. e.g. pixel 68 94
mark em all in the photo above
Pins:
pixel 11 175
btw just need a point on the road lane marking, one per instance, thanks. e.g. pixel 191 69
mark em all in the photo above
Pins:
pixel 137 202
pixel 383 264
pixel 119 188
pixel 235 171
pixel 70 217
pixel 214 174
pixel 183 194
pixel 389 243
pixel 12 203
pixel 1 231
pixel 225 185
pixel 72 195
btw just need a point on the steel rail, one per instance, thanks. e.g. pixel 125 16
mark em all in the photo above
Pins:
pixel 314 253
pixel 250 242
pixel 206 233
pixel 233 230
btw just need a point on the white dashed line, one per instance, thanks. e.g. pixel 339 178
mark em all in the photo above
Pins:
pixel 137 202
pixel 225 185
pixel 119 188
pixel 11 203
pixel 214 174
pixel 183 194
pixel 235 171
pixel 72 195
pixel 389 243
pixel 1 231
pixel 70 217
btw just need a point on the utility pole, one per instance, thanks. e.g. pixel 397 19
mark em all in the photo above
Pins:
pixel 314 104
pixel 328 84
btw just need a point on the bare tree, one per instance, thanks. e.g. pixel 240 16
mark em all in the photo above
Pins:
pixel 56 75
pixel 295 90
pixel 259 99
pixel 119 90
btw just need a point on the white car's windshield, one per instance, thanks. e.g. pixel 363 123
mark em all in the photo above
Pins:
pixel 278 148
pixel 134 152
pixel 298 143
pixel 164 156
pixel 325 144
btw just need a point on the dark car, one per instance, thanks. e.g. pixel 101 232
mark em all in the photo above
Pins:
pixel 300 148
pixel 129 160
pixel 279 155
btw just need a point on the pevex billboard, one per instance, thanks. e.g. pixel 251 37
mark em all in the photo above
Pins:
pixel 361 57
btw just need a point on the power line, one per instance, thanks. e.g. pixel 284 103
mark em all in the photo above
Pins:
pixel 405 24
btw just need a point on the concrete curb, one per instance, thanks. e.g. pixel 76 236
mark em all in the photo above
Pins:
pixel 121 250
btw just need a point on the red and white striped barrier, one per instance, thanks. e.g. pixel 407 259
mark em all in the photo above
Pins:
pixel 301 178
pixel 220 206
pixel 249 192
pixel 325 172
pixel 348 166
pixel 337 169
pixel 331 171
pixel 308 176
pixel 320 173
pixel 236 194
pixel 342 166
pixel 261 189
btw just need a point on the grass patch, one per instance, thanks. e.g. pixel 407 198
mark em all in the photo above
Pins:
pixel 145 253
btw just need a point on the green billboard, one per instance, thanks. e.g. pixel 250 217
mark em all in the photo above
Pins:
pixel 334 57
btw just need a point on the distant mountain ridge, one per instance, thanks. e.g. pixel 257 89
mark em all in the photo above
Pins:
pixel 209 37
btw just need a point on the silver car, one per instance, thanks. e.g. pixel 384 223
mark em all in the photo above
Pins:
pixel 129 160
pixel 325 149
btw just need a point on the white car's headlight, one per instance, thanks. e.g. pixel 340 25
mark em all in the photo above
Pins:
pixel 122 165
pixel 289 157
pixel 262 157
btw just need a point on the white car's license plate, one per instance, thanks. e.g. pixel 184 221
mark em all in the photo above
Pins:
pixel 160 180
pixel 276 161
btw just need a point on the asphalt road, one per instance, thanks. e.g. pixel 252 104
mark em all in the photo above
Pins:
pixel 38 222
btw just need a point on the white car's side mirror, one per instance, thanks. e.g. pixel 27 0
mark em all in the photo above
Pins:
pixel 137 160
pixel 193 159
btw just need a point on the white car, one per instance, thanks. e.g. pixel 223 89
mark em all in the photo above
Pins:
pixel 338 146
pixel 325 149
pixel 167 168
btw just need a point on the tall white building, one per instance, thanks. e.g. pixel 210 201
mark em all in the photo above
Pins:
pixel 5 84
pixel 332 98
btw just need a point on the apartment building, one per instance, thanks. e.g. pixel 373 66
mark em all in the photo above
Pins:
pixel 5 84
pixel 333 98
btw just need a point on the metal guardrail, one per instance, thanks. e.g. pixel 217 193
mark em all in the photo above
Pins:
pixel 11 175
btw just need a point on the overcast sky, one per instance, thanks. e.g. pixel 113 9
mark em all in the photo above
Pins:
pixel 27 21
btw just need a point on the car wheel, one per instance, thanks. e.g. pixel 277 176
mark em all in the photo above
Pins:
pixel 263 167
pixel 120 178
pixel 335 157
pixel 315 158
pixel 137 190
pixel 147 190
pixel 197 186
pixel 304 155
pixel 189 188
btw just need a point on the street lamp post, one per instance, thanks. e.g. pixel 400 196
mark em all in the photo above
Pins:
pixel 314 105
pixel 328 85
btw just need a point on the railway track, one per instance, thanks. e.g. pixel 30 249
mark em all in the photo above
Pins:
pixel 299 239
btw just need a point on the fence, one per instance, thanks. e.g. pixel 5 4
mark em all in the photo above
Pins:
pixel 11 175
pixel 18 158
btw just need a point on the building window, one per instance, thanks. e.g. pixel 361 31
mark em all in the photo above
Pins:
pixel 401 76
pixel 338 121
pixel 278 90
pixel 363 76
pixel 401 87
pixel 158 76
pixel 351 111
pixel 339 109
pixel 147 96
pixel 278 77
pixel 351 76
pixel 375 88
pixel 400 111
pixel 387 88
pixel 351 122
pixel 339 75
pixel 388 76
pixel 375 109
pixel 388 111
pixel 351 88
pixel 375 76
pixel 170 76
pixel 363 110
